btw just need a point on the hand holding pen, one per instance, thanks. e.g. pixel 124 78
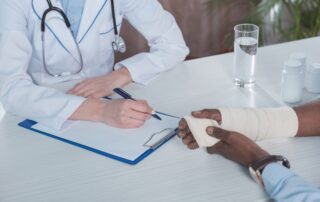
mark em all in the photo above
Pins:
pixel 126 95
pixel 123 113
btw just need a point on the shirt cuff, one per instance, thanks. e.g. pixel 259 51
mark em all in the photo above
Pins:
pixel 141 69
pixel 56 121
pixel 275 174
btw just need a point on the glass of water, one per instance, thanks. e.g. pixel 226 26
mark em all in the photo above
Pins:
pixel 245 51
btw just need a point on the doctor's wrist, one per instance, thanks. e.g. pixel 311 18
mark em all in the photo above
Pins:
pixel 89 110
pixel 123 75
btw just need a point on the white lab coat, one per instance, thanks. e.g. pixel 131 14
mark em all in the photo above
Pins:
pixel 23 79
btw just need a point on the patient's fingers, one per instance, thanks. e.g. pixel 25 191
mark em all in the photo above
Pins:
pixel 208 114
pixel 183 129
pixel 193 145
pixel 188 139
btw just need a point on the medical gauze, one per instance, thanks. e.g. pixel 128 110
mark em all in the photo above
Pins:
pixel 257 124
pixel 261 124
pixel 198 129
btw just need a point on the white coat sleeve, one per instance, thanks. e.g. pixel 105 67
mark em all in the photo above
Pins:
pixel 18 94
pixel 167 46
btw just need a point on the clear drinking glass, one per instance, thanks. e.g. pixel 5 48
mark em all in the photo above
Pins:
pixel 245 51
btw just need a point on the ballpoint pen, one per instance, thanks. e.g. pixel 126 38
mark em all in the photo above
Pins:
pixel 126 95
pixel 107 98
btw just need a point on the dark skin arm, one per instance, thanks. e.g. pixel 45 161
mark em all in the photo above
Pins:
pixel 308 118
pixel 235 147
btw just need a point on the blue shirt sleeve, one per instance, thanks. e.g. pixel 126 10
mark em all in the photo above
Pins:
pixel 283 185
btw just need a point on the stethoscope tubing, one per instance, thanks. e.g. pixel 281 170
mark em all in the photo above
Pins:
pixel 119 42
pixel 43 29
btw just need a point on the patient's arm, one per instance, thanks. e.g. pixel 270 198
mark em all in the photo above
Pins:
pixel 309 119
pixel 308 122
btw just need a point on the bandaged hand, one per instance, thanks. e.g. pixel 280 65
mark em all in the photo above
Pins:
pixel 199 119
pixel 256 124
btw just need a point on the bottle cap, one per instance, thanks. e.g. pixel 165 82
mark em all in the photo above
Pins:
pixel 293 65
pixel 314 68
pixel 302 57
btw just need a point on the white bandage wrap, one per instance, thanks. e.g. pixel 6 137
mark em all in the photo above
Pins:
pixel 257 124
pixel 198 129
pixel 261 124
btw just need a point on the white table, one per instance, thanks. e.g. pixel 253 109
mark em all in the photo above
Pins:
pixel 36 168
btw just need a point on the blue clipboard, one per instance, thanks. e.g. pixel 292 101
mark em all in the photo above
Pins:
pixel 28 124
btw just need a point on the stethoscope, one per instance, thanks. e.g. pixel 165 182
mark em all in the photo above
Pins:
pixel 118 43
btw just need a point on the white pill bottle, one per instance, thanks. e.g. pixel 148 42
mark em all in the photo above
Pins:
pixel 313 78
pixel 292 81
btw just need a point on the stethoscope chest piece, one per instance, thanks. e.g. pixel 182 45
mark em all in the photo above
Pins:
pixel 119 45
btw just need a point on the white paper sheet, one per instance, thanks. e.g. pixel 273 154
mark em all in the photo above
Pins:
pixel 125 143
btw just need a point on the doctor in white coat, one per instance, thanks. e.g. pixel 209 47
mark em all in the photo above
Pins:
pixel 29 65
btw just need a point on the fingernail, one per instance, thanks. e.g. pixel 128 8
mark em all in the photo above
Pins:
pixel 210 130
pixel 196 112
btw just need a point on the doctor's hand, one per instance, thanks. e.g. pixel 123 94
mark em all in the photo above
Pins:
pixel 235 146
pixel 116 113
pixel 185 133
pixel 102 86
pixel 125 113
